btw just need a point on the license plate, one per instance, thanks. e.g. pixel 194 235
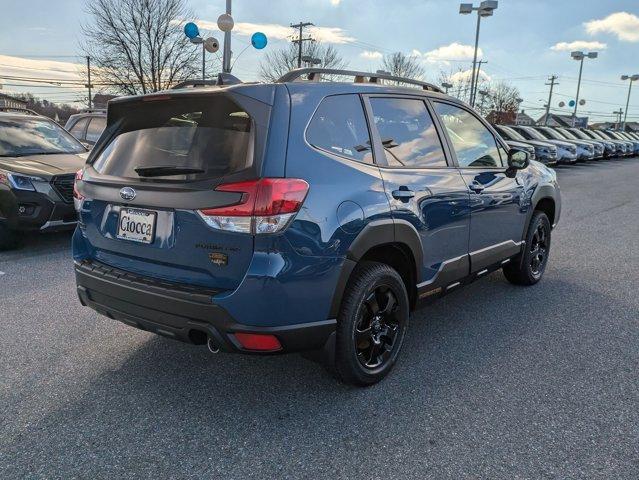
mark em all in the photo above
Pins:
pixel 136 225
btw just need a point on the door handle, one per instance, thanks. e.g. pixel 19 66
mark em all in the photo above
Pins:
pixel 476 187
pixel 403 193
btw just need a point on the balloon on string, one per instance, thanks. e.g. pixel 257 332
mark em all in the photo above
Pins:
pixel 191 30
pixel 259 40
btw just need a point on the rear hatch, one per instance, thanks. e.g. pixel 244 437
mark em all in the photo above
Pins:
pixel 154 169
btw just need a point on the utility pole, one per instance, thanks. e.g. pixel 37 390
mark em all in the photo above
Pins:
pixel 552 85
pixel 226 53
pixel 618 113
pixel 300 39
pixel 88 85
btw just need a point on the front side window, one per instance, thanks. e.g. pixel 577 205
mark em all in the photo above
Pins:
pixel 35 136
pixel 339 127
pixel 407 133
pixel 474 144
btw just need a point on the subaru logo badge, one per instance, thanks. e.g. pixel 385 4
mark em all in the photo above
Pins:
pixel 127 193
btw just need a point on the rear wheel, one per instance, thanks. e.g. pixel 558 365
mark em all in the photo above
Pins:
pixel 371 324
pixel 9 239
pixel 528 268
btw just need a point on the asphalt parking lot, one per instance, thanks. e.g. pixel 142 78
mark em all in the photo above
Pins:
pixel 495 381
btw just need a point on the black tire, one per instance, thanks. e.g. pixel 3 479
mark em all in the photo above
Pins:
pixel 374 310
pixel 9 239
pixel 529 267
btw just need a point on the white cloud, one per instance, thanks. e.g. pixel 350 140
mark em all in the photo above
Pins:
pixel 578 45
pixel 371 55
pixel 275 31
pixel 335 2
pixel 453 51
pixel 42 70
pixel 622 24
pixel 465 75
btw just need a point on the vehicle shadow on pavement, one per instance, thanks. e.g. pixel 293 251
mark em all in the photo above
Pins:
pixel 168 402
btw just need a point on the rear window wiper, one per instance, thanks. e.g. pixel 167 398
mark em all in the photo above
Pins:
pixel 166 170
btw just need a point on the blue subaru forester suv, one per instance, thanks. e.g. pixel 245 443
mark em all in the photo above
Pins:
pixel 310 214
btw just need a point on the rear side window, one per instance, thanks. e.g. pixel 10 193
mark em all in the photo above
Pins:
pixel 186 138
pixel 339 127
pixel 78 129
pixel 407 132
pixel 96 126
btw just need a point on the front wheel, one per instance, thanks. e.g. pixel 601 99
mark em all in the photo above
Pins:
pixel 371 324
pixel 529 267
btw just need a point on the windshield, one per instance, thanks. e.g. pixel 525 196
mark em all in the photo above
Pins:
pixel 530 133
pixel 579 134
pixel 598 135
pixel 189 138
pixel 510 133
pixel 567 134
pixel 35 136
pixel 550 133
pixel 612 135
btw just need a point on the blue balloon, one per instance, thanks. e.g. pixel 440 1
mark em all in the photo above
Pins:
pixel 191 30
pixel 259 40
pixel 571 103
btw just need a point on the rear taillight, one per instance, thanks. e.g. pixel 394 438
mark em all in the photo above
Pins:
pixel 76 194
pixel 266 205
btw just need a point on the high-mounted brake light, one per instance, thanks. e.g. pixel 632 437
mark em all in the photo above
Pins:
pixel 265 206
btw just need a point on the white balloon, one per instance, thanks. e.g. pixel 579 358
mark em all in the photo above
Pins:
pixel 211 45
pixel 225 22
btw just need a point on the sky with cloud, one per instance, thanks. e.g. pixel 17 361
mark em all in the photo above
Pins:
pixel 523 43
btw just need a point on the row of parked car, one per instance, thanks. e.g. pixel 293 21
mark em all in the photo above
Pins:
pixel 561 145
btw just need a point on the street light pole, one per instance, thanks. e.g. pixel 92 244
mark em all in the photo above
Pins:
pixel 632 78
pixel 485 9
pixel 472 79
pixel 580 56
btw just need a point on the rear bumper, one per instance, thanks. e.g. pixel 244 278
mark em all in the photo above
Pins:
pixel 182 313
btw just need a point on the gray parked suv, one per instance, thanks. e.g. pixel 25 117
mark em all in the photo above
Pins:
pixel 87 126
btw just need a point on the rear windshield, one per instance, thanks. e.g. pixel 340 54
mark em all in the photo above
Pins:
pixel 187 138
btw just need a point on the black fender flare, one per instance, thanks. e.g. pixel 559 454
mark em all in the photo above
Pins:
pixel 543 192
pixel 374 234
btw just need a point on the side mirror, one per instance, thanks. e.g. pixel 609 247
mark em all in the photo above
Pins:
pixel 518 159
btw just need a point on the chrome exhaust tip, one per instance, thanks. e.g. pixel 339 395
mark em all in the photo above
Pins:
pixel 211 346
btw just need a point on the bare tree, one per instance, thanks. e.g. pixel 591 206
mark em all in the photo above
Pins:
pixel 137 45
pixel 505 97
pixel 277 62
pixel 402 65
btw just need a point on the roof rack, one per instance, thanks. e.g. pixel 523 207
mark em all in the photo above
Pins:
pixel 93 110
pixel 222 79
pixel 314 75
pixel 18 110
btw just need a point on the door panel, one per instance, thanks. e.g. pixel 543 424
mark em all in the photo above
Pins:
pixel 498 215
pixel 497 200
pixel 439 211
pixel 423 190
